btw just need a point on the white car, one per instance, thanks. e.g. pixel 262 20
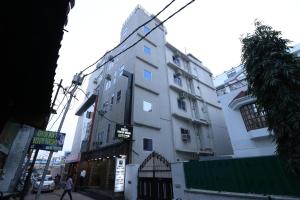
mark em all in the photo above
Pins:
pixel 48 185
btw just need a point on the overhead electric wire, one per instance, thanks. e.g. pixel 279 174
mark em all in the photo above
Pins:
pixel 83 92
pixel 58 116
pixel 65 91
pixel 135 30
pixel 143 37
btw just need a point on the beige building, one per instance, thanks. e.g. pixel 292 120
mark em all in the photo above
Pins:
pixel 174 109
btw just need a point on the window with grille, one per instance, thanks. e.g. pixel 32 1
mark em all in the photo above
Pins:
pixel 177 80
pixel 185 135
pixel 107 133
pixel 176 60
pixel 181 104
pixel 147 144
pixel 111 102
pixel 118 96
pixel 253 118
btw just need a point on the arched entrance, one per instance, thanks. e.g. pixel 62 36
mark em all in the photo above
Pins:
pixel 155 178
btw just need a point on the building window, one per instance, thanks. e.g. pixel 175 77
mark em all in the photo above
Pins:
pixel 147 107
pixel 121 70
pixel 185 135
pixel 147 50
pixel 177 80
pixel 115 77
pixel 147 75
pixel 105 105
pixel 111 102
pixel 147 144
pixel 89 115
pixel 107 134
pixel 99 137
pixel 146 29
pixel 253 118
pixel 118 96
pixel 176 60
pixel 110 65
pixel 108 84
pixel 181 104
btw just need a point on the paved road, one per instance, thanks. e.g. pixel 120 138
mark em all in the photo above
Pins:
pixel 56 196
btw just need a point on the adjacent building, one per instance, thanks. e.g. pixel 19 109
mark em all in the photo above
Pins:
pixel 167 96
pixel 246 124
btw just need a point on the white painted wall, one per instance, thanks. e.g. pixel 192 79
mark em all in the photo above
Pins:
pixel 253 143
pixel 15 158
pixel 131 181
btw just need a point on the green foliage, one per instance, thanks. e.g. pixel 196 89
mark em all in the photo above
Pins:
pixel 273 74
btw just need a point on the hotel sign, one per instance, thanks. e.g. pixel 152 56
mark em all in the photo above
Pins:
pixel 120 175
pixel 123 132
pixel 48 140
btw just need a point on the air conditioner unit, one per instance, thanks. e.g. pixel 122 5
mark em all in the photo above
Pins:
pixel 182 95
pixel 101 112
pixel 108 77
pixel 95 81
pixel 185 137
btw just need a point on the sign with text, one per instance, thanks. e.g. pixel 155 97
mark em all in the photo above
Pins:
pixel 48 140
pixel 123 132
pixel 120 175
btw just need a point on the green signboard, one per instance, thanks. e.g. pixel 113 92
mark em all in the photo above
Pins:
pixel 48 140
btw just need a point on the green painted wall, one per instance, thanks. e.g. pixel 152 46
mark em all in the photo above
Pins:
pixel 260 175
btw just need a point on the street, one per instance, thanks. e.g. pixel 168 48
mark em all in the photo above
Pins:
pixel 56 195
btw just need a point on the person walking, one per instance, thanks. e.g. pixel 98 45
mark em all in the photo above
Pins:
pixel 57 181
pixel 68 188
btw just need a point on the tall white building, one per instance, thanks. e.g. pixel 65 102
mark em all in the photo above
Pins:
pixel 174 109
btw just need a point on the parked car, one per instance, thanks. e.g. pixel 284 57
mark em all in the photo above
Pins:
pixel 48 185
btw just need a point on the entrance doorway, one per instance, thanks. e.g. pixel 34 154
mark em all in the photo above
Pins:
pixel 155 179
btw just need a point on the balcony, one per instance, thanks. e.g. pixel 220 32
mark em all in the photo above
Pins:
pixel 176 67
pixel 180 90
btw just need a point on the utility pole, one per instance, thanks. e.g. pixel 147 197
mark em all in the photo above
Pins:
pixel 26 183
pixel 77 80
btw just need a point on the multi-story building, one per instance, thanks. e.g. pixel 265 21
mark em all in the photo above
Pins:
pixel 174 109
pixel 246 125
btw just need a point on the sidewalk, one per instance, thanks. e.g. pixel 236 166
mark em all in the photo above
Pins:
pixel 56 196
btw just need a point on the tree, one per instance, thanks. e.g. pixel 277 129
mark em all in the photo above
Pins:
pixel 273 74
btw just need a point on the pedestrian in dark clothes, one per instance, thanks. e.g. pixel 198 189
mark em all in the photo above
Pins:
pixel 68 188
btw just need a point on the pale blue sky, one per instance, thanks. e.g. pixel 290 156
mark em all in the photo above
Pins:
pixel 209 29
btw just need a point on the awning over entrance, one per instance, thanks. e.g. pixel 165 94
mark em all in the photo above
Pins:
pixel 88 103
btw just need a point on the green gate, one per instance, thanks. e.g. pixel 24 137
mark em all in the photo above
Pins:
pixel 261 175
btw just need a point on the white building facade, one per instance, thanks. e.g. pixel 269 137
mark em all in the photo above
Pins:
pixel 246 125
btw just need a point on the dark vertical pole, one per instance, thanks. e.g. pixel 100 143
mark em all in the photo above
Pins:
pixel 26 183
pixel 128 101
pixel 128 107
